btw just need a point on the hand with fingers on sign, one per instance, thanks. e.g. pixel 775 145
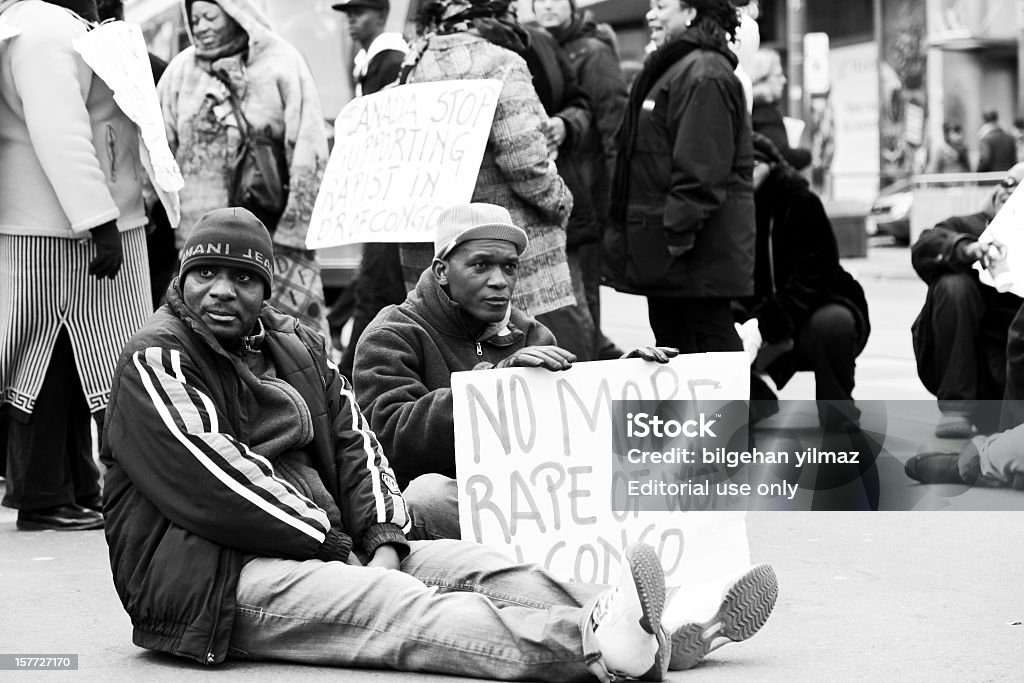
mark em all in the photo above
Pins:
pixel 109 253
pixel 552 358
pixel 655 354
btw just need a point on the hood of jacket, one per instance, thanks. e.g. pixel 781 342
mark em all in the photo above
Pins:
pixel 585 25
pixel 447 317
pixel 246 14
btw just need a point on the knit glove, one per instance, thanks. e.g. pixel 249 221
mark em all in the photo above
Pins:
pixel 109 254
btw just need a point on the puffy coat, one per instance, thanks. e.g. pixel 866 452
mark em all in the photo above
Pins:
pixel 688 169
pixel 186 499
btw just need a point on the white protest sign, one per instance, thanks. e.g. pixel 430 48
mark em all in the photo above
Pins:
pixel 116 52
pixel 535 467
pixel 400 157
pixel 1007 228
pixel 8 31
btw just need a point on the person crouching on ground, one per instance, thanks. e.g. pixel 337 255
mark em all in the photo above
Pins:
pixel 811 314
pixel 250 511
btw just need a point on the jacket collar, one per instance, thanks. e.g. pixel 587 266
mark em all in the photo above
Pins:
pixel 447 316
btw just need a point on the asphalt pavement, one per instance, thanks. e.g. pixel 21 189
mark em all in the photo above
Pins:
pixel 932 594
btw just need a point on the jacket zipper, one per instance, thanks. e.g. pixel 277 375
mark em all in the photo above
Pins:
pixel 323 380
pixel 479 349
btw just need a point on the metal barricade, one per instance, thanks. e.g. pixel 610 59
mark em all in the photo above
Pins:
pixel 938 196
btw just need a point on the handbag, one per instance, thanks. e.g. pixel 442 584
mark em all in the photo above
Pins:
pixel 259 173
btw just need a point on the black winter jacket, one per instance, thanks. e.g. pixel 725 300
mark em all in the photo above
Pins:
pixel 798 269
pixel 689 184
pixel 186 500
pixel 561 95
pixel 404 368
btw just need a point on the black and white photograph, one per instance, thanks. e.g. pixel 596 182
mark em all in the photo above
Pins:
pixel 511 340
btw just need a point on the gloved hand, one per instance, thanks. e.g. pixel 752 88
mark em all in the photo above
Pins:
pixel 109 254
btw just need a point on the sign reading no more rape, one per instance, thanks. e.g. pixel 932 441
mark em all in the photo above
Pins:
pixel 534 455
pixel 400 157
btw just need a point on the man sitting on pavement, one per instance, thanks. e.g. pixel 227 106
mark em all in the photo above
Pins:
pixel 459 317
pixel 250 511
pixel 960 336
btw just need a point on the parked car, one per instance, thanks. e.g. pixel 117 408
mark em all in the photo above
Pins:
pixel 890 212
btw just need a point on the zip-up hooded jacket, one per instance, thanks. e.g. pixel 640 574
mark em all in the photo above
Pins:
pixel 403 371
pixel 186 500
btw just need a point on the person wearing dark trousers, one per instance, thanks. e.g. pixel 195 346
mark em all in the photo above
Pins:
pixel 962 337
pixel 811 314
pixel 569 123
pixel 73 270
pixel 682 207
pixel 590 49
pixel 378 282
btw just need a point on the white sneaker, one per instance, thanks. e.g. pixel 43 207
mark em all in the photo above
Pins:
pixel 627 618
pixel 736 611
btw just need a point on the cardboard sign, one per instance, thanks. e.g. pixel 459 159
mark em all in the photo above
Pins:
pixel 116 52
pixel 535 467
pixel 400 157
pixel 8 31
pixel 1007 228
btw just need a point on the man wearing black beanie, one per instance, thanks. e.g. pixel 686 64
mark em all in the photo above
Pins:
pixel 249 507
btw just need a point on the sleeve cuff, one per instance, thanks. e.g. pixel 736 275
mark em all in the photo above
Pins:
pixel 680 240
pixel 335 548
pixel 380 534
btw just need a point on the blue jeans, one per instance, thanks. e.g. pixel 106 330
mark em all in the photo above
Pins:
pixel 454 608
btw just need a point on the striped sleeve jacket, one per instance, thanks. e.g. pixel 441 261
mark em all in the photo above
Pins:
pixel 186 499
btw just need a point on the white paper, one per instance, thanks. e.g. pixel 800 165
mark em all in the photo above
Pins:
pixel 1007 228
pixel 400 157
pixel 535 462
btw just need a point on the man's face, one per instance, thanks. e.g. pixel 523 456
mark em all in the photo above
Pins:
pixel 480 276
pixel 364 24
pixel 552 13
pixel 226 298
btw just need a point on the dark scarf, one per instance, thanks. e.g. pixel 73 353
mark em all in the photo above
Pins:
pixel 698 37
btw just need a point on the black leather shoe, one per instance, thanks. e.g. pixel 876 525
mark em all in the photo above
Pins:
pixel 94 502
pixel 60 518
pixel 934 468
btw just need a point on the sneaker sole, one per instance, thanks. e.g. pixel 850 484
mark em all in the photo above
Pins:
pixel 649 579
pixel 40 526
pixel 745 608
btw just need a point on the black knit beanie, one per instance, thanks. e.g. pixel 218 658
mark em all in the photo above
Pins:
pixel 230 237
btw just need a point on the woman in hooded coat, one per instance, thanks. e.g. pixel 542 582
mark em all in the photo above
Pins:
pixel 235 49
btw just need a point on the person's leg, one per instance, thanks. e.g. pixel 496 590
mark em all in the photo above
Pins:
pixel 435 615
pixel 668 319
pixel 957 307
pixel 590 269
pixel 49 454
pixel 712 324
pixel 827 344
pixel 1013 393
pixel 433 502
pixel 572 325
